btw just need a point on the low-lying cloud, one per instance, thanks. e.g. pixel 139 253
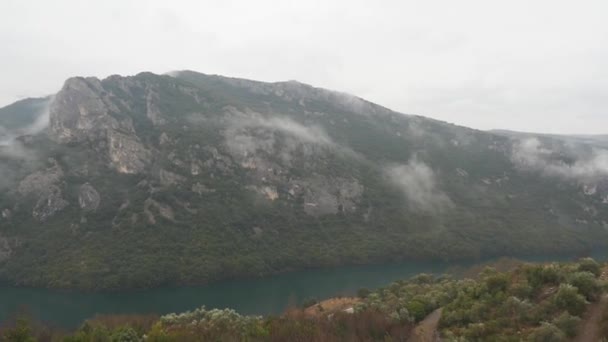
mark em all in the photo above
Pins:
pixel 11 147
pixel 252 133
pixel 532 155
pixel 418 183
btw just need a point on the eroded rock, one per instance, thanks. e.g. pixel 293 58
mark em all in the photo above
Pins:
pixel 201 188
pixel 324 196
pixel 162 209
pixel 164 139
pixel 80 112
pixel 168 178
pixel 88 197
pixel 49 203
pixel 42 180
pixel 127 154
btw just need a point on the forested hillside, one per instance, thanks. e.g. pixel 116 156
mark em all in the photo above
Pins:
pixel 187 178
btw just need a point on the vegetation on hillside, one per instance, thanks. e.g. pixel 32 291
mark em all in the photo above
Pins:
pixel 312 149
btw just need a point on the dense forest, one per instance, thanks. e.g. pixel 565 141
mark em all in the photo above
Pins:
pixel 528 302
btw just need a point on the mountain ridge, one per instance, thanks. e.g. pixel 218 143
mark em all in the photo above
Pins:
pixel 146 180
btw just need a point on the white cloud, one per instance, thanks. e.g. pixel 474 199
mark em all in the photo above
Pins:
pixel 418 183
pixel 530 154
pixel 12 148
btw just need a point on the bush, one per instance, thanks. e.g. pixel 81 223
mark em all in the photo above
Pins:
pixel 567 298
pixel 547 332
pixel 587 284
pixel 567 323
pixel 538 276
pixel 125 334
pixel 497 282
pixel 417 310
pixel 590 265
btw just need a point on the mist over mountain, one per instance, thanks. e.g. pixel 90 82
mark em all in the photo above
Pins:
pixel 186 178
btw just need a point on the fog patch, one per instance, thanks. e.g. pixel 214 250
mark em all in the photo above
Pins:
pixel 175 73
pixel 248 135
pixel 418 183
pixel 532 155
pixel 42 120
pixel 11 147
pixel 14 149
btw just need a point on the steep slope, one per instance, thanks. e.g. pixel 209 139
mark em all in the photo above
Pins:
pixel 149 180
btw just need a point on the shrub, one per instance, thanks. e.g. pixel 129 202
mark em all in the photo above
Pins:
pixel 587 284
pixel 567 323
pixel 547 332
pixel 125 334
pixel 567 298
pixel 589 265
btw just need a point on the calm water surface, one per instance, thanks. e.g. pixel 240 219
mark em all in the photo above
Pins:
pixel 269 295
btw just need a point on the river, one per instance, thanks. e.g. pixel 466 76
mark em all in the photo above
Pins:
pixel 268 295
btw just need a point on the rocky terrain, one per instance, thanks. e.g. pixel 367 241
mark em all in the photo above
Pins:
pixel 185 178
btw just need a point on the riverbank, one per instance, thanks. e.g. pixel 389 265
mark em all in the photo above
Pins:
pixel 261 296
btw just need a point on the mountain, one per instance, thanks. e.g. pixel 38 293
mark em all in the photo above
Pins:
pixel 186 178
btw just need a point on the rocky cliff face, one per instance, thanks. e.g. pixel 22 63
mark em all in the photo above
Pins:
pixel 83 111
pixel 149 179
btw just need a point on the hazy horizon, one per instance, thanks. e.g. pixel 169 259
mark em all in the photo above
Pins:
pixel 532 67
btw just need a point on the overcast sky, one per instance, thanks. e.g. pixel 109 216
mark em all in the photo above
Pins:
pixel 523 65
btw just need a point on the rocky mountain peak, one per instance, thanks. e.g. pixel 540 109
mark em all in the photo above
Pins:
pixel 80 111
pixel 83 110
